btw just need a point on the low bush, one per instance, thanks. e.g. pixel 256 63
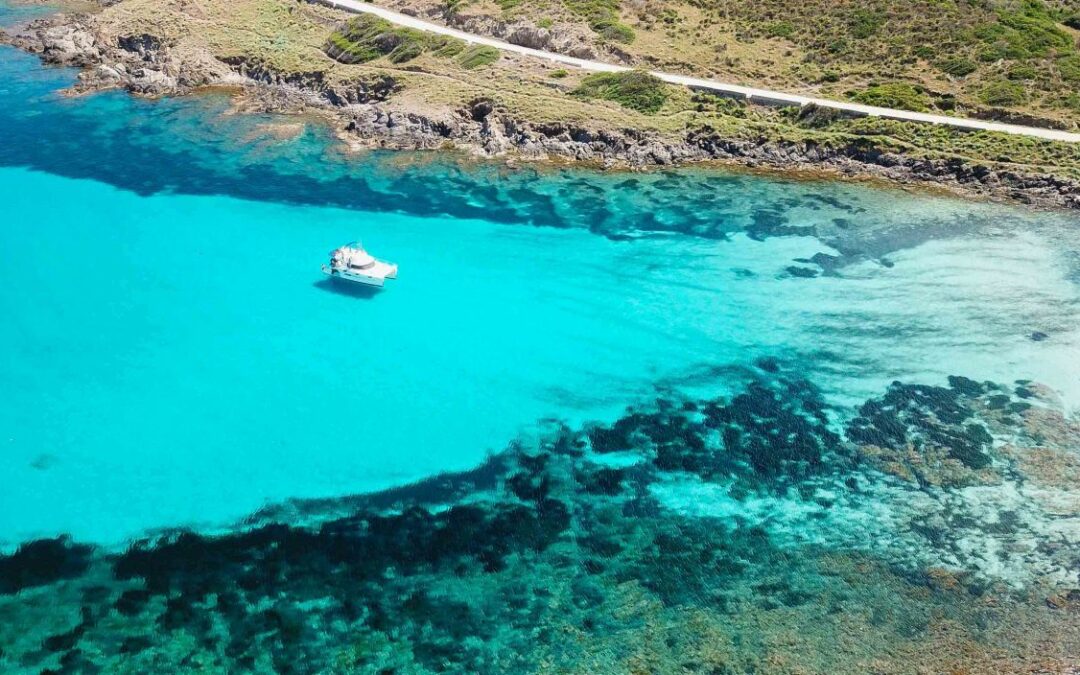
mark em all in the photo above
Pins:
pixel 958 67
pixel 366 38
pixel 1069 68
pixel 1030 32
pixel 603 18
pixel 865 23
pixel 1022 71
pixel 894 95
pixel 477 56
pixel 614 31
pixel 780 29
pixel 1003 93
pixel 634 89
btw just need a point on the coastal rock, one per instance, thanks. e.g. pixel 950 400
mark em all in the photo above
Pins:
pixel 103 73
pixel 146 46
pixel 367 89
pixel 528 35
pixel 562 39
pixel 60 41
pixel 149 81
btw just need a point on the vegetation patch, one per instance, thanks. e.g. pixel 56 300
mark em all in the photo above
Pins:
pixel 898 95
pixel 634 89
pixel 1069 69
pixel 1003 93
pixel 865 23
pixel 603 17
pixel 1031 32
pixel 477 56
pixel 981 41
pixel 958 67
pixel 366 38
pixel 780 29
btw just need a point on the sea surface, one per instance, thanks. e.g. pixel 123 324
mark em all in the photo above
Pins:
pixel 172 358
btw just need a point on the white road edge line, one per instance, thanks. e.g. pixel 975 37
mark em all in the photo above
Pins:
pixel 764 96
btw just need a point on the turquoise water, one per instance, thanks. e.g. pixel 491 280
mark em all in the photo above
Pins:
pixel 701 421
pixel 172 355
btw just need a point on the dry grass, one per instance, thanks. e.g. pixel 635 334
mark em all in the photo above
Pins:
pixel 952 49
pixel 290 36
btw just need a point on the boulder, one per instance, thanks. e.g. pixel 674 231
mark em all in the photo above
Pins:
pixel 528 35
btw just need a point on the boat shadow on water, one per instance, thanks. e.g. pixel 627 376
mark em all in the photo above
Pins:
pixel 347 288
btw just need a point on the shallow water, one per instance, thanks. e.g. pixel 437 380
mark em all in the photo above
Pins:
pixel 172 357
pixel 184 339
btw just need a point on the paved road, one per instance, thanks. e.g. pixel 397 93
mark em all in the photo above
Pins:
pixel 750 93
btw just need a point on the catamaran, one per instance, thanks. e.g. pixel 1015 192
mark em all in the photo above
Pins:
pixel 352 263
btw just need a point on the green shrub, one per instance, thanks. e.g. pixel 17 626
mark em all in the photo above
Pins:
pixel 634 89
pixel 545 22
pixel 558 74
pixel 780 29
pixel 1069 67
pixel 1025 34
pixel 864 23
pixel 994 52
pixel 1003 93
pixel 1022 71
pixel 958 67
pixel 1070 102
pixel 406 51
pixel 366 38
pixel 477 56
pixel 894 95
pixel 449 49
pixel 339 48
pixel 610 29
pixel 603 18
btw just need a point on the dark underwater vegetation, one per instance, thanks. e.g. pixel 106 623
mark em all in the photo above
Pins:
pixel 830 541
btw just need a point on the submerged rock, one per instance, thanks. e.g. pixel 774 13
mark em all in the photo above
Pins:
pixel 928 431
pixel 42 562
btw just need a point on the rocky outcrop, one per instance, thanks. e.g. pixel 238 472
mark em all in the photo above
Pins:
pixel 560 39
pixel 142 63
pixel 148 65
pixel 485 129
pixel 371 89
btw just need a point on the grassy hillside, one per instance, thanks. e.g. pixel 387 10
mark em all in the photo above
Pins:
pixel 976 57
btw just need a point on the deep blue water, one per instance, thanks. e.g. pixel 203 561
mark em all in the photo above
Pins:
pixel 171 356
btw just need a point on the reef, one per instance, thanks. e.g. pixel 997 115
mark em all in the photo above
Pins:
pixel 762 531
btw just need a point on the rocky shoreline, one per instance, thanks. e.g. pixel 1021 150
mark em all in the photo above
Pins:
pixel 148 66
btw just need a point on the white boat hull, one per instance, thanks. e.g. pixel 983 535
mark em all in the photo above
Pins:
pixel 345 275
